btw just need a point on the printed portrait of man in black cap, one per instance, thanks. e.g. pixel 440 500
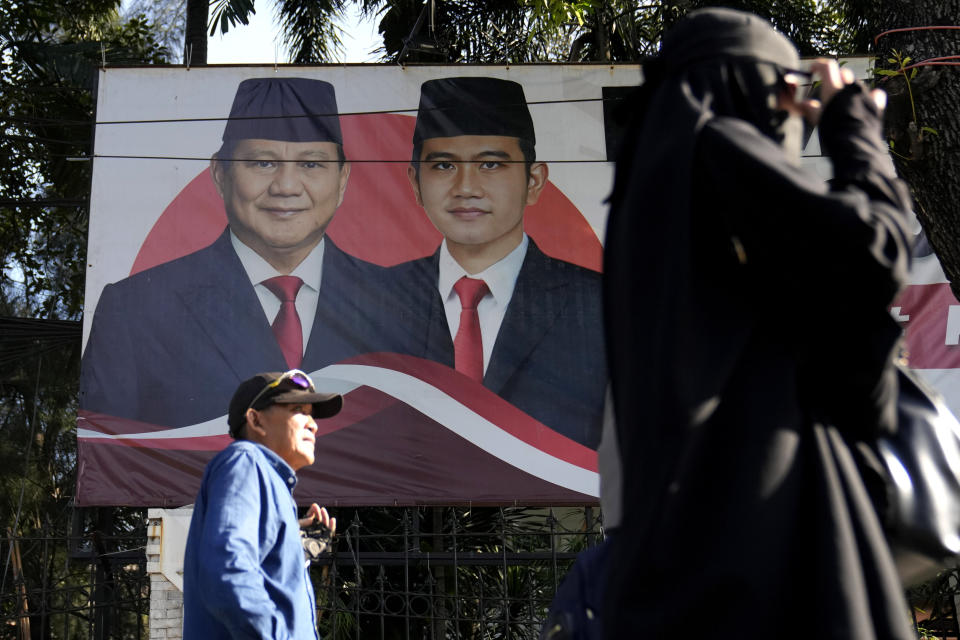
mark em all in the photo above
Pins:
pixel 168 345
pixel 500 311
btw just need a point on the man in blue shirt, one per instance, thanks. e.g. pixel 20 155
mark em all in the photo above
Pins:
pixel 245 573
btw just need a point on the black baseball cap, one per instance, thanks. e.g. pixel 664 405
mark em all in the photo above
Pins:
pixel 275 387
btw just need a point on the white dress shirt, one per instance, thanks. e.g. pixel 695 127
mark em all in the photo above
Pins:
pixel 501 278
pixel 310 271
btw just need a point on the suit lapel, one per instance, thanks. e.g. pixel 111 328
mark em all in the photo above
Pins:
pixel 224 304
pixel 538 298
pixel 323 347
pixel 439 344
pixel 360 305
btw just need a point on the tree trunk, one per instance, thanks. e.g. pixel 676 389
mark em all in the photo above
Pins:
pixel 602 34
pixel 928 161
pixel 195 42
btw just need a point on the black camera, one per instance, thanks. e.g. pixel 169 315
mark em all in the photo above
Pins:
pixel 315 540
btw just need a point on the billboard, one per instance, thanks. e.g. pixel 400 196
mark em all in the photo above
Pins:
pixel 185 250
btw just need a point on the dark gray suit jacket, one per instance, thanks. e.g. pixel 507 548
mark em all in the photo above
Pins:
pixel 169 345
pixel 548 359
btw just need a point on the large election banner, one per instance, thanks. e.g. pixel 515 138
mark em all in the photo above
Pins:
pixel 260 219
pixel 248 219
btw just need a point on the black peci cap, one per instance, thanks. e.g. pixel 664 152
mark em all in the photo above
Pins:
pixel 288 109
pixel 467 106
pixel 265 389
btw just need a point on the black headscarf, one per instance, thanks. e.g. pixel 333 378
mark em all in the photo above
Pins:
pixel 715 62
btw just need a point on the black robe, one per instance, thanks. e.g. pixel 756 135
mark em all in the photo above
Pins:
pixel 748 341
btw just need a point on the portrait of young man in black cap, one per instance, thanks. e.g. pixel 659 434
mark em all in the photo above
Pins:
pixel 500 311
pixel 244 569
pixel 168 344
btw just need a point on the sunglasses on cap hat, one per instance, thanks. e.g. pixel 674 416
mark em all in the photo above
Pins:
pixel 298 378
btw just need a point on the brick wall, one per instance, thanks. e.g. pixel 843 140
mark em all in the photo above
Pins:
pixel 166 600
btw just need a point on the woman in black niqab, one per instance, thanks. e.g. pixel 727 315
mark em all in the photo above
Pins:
pixel 745 304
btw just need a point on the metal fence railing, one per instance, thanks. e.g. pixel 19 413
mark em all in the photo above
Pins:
pixel 72 588
pixel 450 572
pixel 413 572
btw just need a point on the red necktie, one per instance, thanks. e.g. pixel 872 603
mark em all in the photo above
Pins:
pixel 286 326
pixel 468 345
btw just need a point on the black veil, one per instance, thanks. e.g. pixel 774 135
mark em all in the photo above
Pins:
pixel 716 62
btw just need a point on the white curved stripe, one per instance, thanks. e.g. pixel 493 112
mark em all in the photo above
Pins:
pixel 455 416
pixel 428 400
pixel 215 427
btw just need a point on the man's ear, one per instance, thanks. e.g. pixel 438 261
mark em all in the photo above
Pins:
pixel 414 183
pixel 344 177
pixel 255 429
pixel 218 173
pixel 538 180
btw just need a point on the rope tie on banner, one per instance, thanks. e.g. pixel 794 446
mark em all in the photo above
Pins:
pixel 939 61
pixel 929 62
pixel 903 29
pixel 935 62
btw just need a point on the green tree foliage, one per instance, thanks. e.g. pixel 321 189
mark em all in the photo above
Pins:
pixel 516 31
pixel 309 29
pixel 50 51
pixel 37 454
pixel 167 19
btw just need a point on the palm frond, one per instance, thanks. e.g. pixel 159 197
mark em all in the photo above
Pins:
pixel 310 31
pixel 230 13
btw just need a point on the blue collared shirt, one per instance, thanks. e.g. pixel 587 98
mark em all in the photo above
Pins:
pixel 244 573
